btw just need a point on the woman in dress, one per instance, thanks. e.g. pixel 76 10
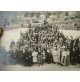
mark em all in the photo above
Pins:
pixel 55 55
pixel 34 56
pixel 63 56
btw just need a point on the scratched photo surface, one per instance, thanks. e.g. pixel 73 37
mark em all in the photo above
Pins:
pixel 40 41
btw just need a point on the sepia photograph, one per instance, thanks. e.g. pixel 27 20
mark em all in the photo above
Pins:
pixel 39 40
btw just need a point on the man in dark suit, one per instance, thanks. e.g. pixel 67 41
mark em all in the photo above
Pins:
pixel 71 49
pixel 12 43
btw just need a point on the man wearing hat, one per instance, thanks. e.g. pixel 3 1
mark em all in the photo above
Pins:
pixel 71 48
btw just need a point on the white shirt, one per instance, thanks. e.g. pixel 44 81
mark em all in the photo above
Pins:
pixel 63 53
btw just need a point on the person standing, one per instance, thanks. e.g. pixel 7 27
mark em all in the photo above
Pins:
pixel 26 57
pixel 1 56
pixel 59 54
pixel 71 48
pixel 68 56
pixel 49 58
pixel 20 55
pixel 4 56
pixel 10 56
pixel 30 57
pixel 73 57
pixel 52 52
pixel 63 57
pixel 78 57
pixel 16 56
pixel 44 56
pixel 34 57
pixel 55 55
pixel 39 57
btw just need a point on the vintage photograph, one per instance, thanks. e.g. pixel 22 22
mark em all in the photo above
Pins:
pixel 40 41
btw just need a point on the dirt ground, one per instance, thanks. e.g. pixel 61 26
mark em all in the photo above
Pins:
pixel 46 67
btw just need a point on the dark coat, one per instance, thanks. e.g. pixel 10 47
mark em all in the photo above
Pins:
pixel 49 58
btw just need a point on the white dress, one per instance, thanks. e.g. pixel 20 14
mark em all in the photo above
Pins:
pixel 55 55
pixel 63 58
pixel 34 55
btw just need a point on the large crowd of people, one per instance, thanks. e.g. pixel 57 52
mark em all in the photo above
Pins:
pixel 44 45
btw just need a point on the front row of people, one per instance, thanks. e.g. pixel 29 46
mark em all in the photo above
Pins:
pixel 29 56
